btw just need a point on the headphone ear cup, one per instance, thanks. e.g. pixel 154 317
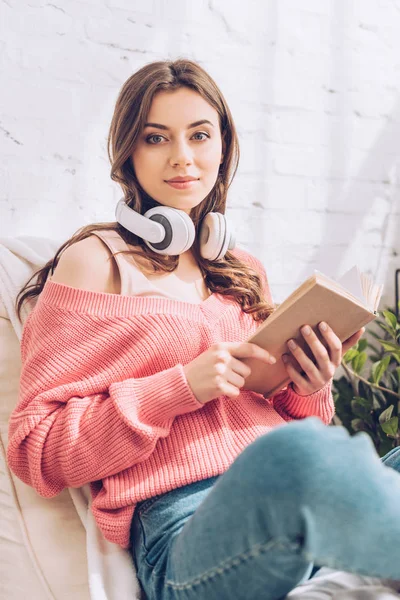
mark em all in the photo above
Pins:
pixel 179 230
pixel 215 237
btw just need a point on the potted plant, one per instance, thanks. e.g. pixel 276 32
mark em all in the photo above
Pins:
pixel 367 395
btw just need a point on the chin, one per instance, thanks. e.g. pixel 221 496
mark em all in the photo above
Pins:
pixel 181 204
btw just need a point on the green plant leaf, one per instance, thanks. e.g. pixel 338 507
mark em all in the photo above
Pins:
pixel 362 407
pixel 386 414
pixel 366 403
pixel 383 401
pixel 344 388
pixel 364 390
pixel 362 344
pixel 359 361
pixel 350 354
pixel 388 329
pixel 374 334
pixel 375 357
pixel 392 380
pixel 384 326
pixel 385 446
pixel 390 427
pixel 379 368
pixel 377 402
pixel 390 319
pixel 390 346
pixel 343 397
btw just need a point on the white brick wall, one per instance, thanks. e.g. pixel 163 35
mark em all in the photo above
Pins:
pixel 313 86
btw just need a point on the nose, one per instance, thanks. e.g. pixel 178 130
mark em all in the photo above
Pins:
pixel 181 153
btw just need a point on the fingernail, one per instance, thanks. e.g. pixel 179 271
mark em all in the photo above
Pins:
pixel 306 330
pixel 285 358
pixel 323 326
pixel 272 360
pixel 292 344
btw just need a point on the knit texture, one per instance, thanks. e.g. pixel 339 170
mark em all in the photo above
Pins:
pixel 104 399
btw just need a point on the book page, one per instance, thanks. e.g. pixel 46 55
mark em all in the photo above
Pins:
pixel 360 286
pixel 351 280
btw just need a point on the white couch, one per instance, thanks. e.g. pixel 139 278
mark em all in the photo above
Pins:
pixel 49 548
pixel 43 542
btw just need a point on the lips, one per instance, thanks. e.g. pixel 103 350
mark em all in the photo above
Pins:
pixel 182 184
pixel 181 179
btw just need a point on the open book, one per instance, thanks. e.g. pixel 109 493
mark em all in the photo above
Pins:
pixel 346 305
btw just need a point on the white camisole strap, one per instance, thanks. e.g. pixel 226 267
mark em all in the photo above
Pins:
pixel 133 281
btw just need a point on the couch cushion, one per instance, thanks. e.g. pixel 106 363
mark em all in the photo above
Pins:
pixel 43 542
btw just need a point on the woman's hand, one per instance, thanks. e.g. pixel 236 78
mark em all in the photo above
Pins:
pixel 315 376
pixel 219 371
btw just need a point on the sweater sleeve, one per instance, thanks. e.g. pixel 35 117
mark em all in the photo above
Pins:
pixel 291 405
pixel 78 420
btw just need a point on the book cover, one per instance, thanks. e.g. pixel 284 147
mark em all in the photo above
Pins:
pixel 318 299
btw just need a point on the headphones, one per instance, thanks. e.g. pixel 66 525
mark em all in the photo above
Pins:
pixel 171 231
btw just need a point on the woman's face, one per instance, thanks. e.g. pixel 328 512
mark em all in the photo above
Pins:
pixel 182 138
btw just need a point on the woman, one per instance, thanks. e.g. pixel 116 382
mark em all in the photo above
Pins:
pixel 133 378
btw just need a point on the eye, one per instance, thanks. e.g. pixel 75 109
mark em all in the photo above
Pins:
pixel 202 133
pixel 155 135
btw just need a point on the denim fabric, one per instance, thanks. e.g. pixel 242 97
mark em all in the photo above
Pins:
pixel 304 493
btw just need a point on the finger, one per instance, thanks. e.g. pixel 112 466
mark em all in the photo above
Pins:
pixel 235 379
pixel 239 367
pixel 334 343
pixel 225 373
pixel 301 381
pixel 222 386
pixel 305 363
pixel 223 355
pixel 229 390
pixel 352 341
pixel 249 350
pixel 318 349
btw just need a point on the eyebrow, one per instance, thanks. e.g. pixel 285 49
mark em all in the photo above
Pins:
pixel 195 124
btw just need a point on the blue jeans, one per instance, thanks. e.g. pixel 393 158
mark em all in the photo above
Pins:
pixel 303 494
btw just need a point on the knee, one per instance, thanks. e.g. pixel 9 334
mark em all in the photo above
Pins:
pixel 297 456
pixel 296 442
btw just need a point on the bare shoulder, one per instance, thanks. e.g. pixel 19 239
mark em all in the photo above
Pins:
pixel 88 265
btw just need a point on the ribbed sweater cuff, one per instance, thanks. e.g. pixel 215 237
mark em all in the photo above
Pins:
pixel 155 399
pixel 289 404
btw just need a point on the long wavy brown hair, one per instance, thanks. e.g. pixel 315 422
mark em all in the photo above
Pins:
pixel 228 276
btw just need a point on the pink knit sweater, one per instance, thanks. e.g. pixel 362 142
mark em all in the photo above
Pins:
pixel 104 399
